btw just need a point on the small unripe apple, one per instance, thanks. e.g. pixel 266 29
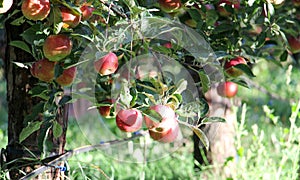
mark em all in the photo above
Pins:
pixel 227 89
pixel 229 66
pixel 35 9
pixel 87 11
pixel 67 77
pixel 57 47
pixel 296 3
pixel 43 70
pixel 69 18
pixel 129 120
pixel 294 43
pixel 6 5
pixel 170 6
pixel 235 4
pixel 168 129
pixel 107 65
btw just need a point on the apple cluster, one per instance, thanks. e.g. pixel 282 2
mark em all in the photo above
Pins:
pixel 165 131
pixel 56 47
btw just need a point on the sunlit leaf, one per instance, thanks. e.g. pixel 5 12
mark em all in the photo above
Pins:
pixel 29 129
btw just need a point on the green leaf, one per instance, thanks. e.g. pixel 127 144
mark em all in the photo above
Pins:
pixel 209 120
pixel 201 136
pixel 21 44
pixel 204 81
pixel 38 108
pixel 153 115
pixel 57 129
pixel 18 21
pixel 29 129
pixel 245 69
pixel 58 70
pixel 65 99
pixel 284 56
pixel 33 34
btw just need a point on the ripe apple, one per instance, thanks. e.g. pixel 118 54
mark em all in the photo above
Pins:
pixel 168 129
pixel 87 11
pixel 168 45
pixel 105 110
pixel 229 66
pixel 222 11
pixel 35 9
pixel 170 6
pixel 43 70
pixel 227 89
pixel 294 43
pixel 6 5
pixel 67 77
pixel 57 47
pixel 296 3
pixel 69 18
pixel 107 65
pixel 129 120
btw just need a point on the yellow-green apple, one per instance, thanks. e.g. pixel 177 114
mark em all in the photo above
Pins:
pixel 43 70
pixel 57 47
pixel 69 18
pixel 294 43
pixel 231 70
pixel 235 4
pixel 170 6
pixel 227 89
pixel 35 9
pixel 6 5
pixel 107 65
pixel 129 120
pixel 87 11
pixel 67 77
pixel 167 130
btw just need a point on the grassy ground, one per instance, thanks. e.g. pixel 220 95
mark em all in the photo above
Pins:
pixel 267 139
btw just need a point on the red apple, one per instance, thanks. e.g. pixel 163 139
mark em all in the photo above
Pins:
pixel 296 3
pixel 87 11
pixel 35 9
pixel 129 120
pixel 235 4
pixel 170 6
pixel 67 77
pixel 43 70
pixel 107 65
pixel 227 89
pixel 229 66
pixel 168 45
pixel 105 110
pixel 168 129
pixel 57 47
pixel 6 5
pixel 294 43
pixel 69 18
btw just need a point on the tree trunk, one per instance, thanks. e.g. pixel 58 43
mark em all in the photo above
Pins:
pixel 221 136
pixel 20 104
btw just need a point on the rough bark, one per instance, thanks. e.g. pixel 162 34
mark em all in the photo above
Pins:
pixel 20 104
pixel 221 136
